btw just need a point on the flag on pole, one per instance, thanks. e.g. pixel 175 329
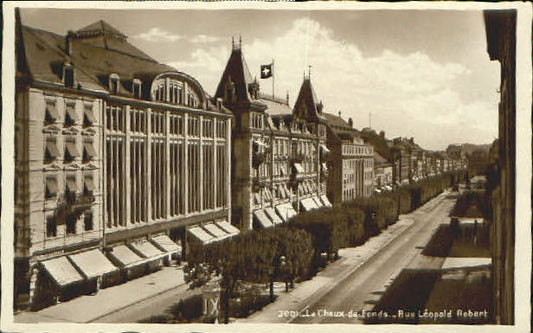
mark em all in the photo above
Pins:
pixel 266 71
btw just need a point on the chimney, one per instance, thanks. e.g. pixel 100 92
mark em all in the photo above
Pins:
pixel 412 140
pixel 69 42
pixel 287 97
pixel 350 122
pixel 340 114
pixel 382 134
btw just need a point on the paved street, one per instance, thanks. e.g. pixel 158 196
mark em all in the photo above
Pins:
pixel 361 276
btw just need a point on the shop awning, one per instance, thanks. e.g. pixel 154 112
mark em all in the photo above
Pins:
pixel 273 216
pixel 308 204
pixel 227 227
pixel 262 219
pixel 164 243
pixel 285 211
pixel 62 271
pixel 220 234
pixel 92 263
pixel 125 257
pixel 325 201
pixel 201 235
pixel 146 250
pixel 318 202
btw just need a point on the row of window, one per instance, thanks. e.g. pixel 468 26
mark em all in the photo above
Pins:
pixel 71 186
pixel 356 150
pixel 175 93
pixel 71 116
pixel 71 151
pixel 194 186
pixel 70 221
pixel 209 127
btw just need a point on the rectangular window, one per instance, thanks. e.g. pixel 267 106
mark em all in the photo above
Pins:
pixel 71 224
pixel 51 115
pixel 88 221
pixel 88 151
pixel 88 115
pixel 51 226
pixel 71 185
pixel 71 116
pixel 71 151
pixel 51 187
pixel 88 185
pixel 51 151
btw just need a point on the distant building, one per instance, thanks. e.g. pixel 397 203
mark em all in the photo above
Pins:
pixel 117 156
pixel 500 29
pixel 383 173
pixel 278 153
pixel 352 162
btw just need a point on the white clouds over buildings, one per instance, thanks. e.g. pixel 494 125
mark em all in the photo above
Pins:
pixel 407 94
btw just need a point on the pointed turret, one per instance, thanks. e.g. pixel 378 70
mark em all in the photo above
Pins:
pixel 307 105
pixel 236 86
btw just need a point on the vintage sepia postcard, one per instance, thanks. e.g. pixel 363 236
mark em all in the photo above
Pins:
pixel 261 166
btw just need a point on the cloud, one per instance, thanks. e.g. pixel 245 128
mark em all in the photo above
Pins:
pixel 407 94
pixel 204 39
pixel 156 34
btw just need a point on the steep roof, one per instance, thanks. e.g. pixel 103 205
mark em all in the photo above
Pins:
pixel 92 61
pixel 276 108
pixel 307 105
pixel 236 71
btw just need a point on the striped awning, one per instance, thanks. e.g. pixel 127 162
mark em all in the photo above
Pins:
pixel 227 227
pixel 273 216
pixel 214 230
pixel 318 202
pixel 164 243
pixel 201 235
pixel 92 263
pixel 325 201
pixel 125 257
pixel 286 211
pixel 308 204
pixel 146 250
pixel 261 219
pixel 62 271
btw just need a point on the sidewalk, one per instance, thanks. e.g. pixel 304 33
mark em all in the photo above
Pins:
pixel 351 259
pixel 86 309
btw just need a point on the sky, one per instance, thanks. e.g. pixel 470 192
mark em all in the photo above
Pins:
pixel 411 73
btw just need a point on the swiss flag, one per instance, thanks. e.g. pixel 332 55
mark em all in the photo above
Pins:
pixel 266 71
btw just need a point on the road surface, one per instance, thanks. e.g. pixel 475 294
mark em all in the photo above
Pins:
pixel 365 284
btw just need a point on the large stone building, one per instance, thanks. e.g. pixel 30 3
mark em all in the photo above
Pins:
pixel 278 153
pixel 501 44
pixel 352 162
pixel 117 156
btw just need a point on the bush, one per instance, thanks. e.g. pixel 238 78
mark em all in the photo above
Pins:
pixel 186 310
pixel 328 229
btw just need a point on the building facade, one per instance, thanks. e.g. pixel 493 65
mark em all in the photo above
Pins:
pixel 352 162
pixel 278 156
pixel 119 159
pixel 500 29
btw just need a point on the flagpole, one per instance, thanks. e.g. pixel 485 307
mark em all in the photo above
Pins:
pixel 273 79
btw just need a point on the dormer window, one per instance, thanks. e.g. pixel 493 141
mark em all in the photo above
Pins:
pixel 113 83
pixel 68 75
pixel 136 85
